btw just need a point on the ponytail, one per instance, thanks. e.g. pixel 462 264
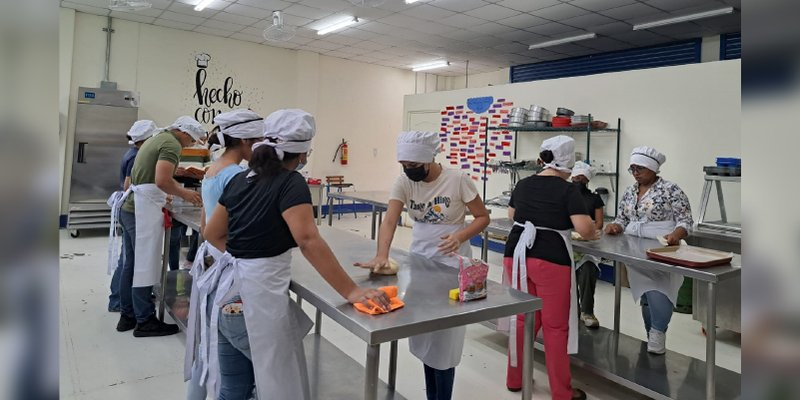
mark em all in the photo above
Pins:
pixel 230 142
pixel 265 162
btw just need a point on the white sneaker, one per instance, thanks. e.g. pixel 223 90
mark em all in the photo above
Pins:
pixel 657 342
pixel 590 320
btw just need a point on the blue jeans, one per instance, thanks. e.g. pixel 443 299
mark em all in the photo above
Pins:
pixel 113 298
pixel 439 383
pixel 134 301
pixel 656 310
pixel 176 234
pixel 237 378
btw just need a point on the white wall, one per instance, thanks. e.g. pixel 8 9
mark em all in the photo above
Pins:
pixel 359 102
pixel 691 113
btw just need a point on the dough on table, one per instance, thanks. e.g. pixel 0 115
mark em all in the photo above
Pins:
pixel 391 269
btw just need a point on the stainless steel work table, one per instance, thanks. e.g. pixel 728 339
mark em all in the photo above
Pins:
pixel 174 285
pixel 379 200
pixel 706 379
pixel 423 286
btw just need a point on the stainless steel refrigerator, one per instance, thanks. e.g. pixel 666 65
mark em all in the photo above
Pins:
pixel 103 117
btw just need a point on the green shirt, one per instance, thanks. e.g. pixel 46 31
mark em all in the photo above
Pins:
pixel 164 146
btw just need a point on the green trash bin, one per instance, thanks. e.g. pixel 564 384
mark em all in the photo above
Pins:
pixel 684 305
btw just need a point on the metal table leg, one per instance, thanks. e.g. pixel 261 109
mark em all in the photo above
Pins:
pixel 318 322
pixel 392 364
pixel 617 294
pixel 527 357
pixel 330 211
pixel 380 218
pixel 485 247
pixel 299 300
pixel 164 269
pixel 374 218
pixel 319 207
pixel 711 342
pixel 723 215
pixel 371 377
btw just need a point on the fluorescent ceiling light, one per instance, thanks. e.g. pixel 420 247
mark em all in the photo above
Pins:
pixel 562 41
pixel 684 18
pixel 411 1
pixel 425 67
pixel 339 25
pixel 202 5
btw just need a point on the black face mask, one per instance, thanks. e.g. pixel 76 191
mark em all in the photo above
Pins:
pixel 416 174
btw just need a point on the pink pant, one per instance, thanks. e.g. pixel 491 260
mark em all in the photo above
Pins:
pixel 550 282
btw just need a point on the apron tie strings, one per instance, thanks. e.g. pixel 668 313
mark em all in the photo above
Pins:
pixel 519 278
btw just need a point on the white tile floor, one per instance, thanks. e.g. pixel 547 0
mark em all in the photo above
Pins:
pixel 99 363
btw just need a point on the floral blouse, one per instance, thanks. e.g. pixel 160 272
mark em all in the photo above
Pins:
pixel 664 201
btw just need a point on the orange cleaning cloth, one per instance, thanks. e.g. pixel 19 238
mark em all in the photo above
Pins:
pixel 375 309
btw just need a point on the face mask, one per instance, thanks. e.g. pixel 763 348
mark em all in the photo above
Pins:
pixel 299 166
pixel 416 174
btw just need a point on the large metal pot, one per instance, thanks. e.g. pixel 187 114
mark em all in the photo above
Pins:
pixel 541 115
pixel 565 112
pixel 516 120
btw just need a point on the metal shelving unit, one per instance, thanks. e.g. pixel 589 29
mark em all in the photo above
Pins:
pixel 615 132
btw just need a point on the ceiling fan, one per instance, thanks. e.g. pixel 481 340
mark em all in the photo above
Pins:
pixel 129 5
pixel 278 31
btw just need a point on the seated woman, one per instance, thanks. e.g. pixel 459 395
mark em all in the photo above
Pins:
pixel 653 207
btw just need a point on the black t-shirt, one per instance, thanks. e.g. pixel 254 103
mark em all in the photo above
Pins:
pixel 545 201
pixel 256 227
pixel 592 200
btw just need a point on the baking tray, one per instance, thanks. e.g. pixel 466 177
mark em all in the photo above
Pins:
pixel 690 256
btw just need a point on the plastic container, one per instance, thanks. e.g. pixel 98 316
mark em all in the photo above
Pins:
pixel 729 162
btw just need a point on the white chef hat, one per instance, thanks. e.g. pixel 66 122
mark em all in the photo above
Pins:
pixel 239 124
pixel 582 168
pixel 563 149
pixel 142 130
pixel 417 146
pixel 288 131
pixel 190 126
pixel 648 157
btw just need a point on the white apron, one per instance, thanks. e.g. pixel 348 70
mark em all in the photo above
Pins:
pixel 519 281
pixel 115 202
pixel 643 280
pixel 440 349
pixel 148 247
pixel 197 347
pixel 275 324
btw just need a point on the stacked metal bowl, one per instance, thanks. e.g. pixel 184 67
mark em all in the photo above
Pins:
pixel 517 116
pixel 538 117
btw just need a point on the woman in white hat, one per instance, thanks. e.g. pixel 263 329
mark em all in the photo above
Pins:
pixel 656 208
pixel 235 134
pixel 437 200
pixel 587 265
pixel 538 260
pixel 261 215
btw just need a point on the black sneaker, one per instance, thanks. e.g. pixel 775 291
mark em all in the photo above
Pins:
pixel 125 323
pixel 154 327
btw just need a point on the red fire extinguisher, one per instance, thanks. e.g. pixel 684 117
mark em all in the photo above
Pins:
pixel 341 151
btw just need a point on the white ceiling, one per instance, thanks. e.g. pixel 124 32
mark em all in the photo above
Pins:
pixel 491 34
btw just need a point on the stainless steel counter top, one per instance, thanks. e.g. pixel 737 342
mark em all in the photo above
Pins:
pixel 376 198
pixel 423 286
pixel 188 215
pixel 631 250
